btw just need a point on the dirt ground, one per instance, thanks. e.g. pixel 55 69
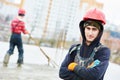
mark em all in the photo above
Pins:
pixel 28 72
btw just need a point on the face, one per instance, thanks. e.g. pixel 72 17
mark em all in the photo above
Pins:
pixel 91 33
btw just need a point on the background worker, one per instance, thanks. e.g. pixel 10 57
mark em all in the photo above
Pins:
pixel 17 27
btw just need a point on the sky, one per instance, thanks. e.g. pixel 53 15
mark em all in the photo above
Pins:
pixel 112 10
pixel 17 1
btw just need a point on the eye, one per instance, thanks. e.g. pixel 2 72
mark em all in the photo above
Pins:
pixel 94 29
pixel 87 28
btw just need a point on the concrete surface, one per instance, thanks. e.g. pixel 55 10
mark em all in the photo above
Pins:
pixel 35 65
pixel 28 72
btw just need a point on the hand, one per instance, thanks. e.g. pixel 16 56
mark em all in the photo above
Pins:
pixel 27 32
pixel 71 66
pixel 93 64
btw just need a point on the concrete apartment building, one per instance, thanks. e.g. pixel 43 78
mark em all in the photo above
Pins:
pixel 52 19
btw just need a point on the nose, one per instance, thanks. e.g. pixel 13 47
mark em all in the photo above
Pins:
pixel 90 31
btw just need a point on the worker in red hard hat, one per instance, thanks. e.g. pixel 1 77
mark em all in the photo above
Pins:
pixel 88 60
pixel 17 27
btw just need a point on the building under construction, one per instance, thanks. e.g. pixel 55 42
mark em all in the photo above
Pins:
pixel 55 20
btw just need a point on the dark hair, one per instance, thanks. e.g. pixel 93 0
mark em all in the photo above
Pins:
pixel 94 23
pixel 21 14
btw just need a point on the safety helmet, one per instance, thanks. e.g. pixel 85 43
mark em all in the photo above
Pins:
pixel 95 14
pixel 21 11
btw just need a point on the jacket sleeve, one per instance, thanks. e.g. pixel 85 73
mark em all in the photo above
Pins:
pixel 64 73
pixel 98 71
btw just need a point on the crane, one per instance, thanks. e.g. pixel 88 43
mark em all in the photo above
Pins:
pixel 18 5
pixel 91 3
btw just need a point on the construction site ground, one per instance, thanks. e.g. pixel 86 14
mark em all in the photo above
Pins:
pixel 28 72
pixel 40 63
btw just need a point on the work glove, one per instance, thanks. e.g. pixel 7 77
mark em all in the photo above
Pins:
pixel 71 66
pixel 93 64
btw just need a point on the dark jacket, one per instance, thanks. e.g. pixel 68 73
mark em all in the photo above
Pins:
pixel 83 73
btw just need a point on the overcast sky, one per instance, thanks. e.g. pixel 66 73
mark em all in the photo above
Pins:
pixel 112 10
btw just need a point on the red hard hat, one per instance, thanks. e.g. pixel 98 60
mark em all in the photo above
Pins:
pixel 95 14
pixel 21 11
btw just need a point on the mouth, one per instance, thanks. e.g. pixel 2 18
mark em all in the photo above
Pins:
pixel 90 37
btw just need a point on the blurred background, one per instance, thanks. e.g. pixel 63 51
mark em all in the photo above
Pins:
pixel 55 23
